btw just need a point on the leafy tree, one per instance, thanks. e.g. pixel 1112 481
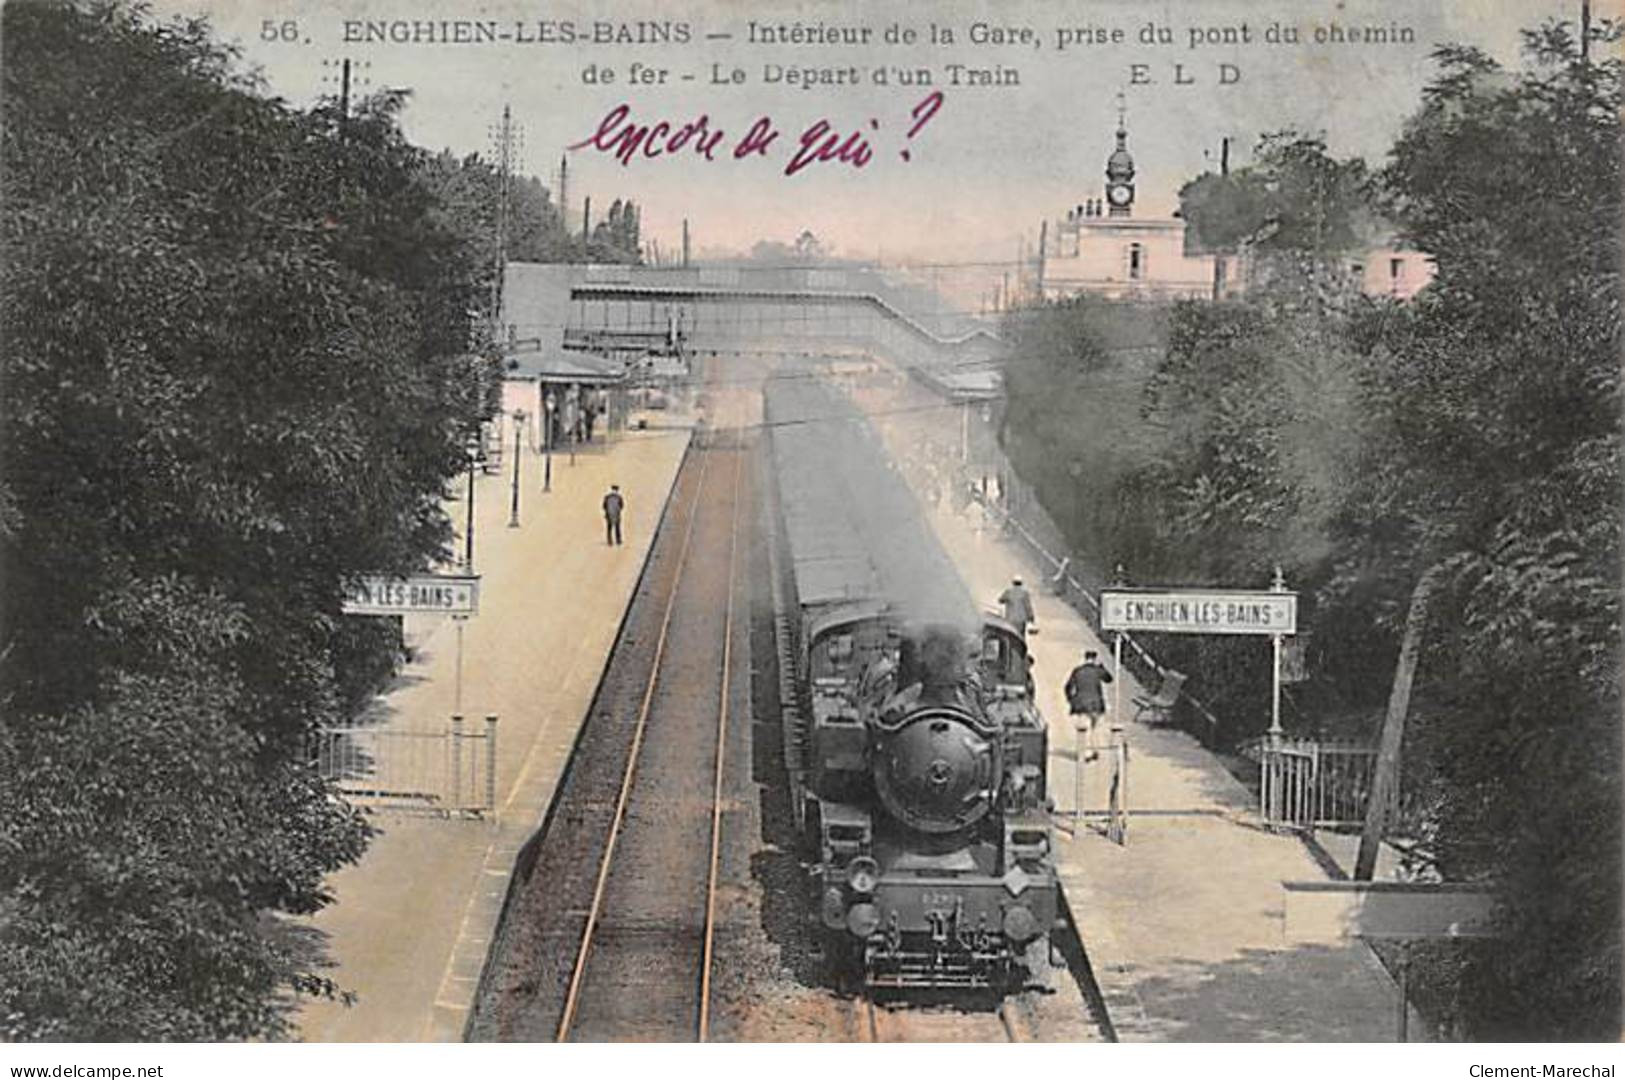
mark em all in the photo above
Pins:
pixel 1472 435
pixel 616 239
pixel 1500 393
pixel 237 368
pixel 1296 213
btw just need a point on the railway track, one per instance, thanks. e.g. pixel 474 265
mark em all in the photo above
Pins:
pixel 1011 1020
pixel 612 933
pixel 643 965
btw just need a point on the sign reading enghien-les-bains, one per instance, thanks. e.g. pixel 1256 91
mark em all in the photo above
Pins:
pixel 1211 612
pixel 432 594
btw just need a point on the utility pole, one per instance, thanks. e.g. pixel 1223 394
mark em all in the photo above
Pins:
pixel 685 243
pixel 564 190
pixel 1585 31
pixel 1021 266
pixel 347 71
pixel 586 219
pixel 1043 253
pixel 504 135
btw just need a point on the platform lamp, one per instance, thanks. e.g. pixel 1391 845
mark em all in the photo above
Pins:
pixel 518 433
pixel 473 446
pixel 549 404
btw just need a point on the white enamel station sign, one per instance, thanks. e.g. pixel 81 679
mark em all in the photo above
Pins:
pixel 430 594
pixel 1210 612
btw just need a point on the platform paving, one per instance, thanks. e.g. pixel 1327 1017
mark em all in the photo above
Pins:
pixel 412 922
pixel 1184 923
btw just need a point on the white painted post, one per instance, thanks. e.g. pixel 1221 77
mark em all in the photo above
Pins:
pixel 1275 690
pixel 456 763
pixel 1077 772
pixel 491 764
pixel 457 682
pixel 1277 585
pixel 1117 679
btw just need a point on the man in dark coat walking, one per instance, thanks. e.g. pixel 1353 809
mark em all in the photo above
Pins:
pixel 1086 699
pixel 614 504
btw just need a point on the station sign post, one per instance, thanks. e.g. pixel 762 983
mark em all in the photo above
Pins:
pixel 1271 612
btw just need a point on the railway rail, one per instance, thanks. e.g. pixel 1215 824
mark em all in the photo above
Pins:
pixel 622 944
pixel 612 931
pixel 1011 1020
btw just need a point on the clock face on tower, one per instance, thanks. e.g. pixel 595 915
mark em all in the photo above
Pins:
pixel 1120 194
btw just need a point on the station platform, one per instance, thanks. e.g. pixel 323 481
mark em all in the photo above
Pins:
pixel 412 922
pixel 1183 922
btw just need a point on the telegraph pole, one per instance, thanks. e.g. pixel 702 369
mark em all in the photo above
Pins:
pixel 504 135
pixel 564 190
pixel 685 243
pixel 347 72
pixel 1043 252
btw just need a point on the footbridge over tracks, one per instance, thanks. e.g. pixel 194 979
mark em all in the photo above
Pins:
pixel 635 312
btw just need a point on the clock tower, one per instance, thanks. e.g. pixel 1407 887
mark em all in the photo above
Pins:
pixel 1120 172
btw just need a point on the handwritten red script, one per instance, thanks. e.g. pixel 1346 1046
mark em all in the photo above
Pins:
pixel 627 139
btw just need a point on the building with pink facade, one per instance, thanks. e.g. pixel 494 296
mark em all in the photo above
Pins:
pixel 1102 248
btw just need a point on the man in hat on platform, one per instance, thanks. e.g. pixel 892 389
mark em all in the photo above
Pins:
pixel 1086 700
pixel 614 504
pixel 1017 606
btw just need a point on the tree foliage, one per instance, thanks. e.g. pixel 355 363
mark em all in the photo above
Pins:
pixel 237 373
pixel 1474 431
pixel 1501 393
pixel 1296 213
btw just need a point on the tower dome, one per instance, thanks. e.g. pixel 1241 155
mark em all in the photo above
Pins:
pixel 1120 172
pixel 1120 165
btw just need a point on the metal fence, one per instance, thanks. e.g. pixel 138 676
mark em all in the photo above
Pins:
pixel 449 772
pixel 1308 784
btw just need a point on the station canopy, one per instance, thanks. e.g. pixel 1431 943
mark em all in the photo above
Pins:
pixel 557 366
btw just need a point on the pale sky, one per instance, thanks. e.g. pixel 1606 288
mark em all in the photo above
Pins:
pixel 988 166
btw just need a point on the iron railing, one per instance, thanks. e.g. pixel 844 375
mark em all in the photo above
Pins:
pixel 1310 784
pixel 405 770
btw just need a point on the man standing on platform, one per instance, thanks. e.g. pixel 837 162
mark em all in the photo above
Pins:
pixel 1018 607
pixel 613 505
pixel 1086 701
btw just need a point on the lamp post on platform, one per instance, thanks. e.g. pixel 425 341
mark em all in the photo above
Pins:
pixel 574 419
pixel 547 442
pixel 468 520
pixel 518 431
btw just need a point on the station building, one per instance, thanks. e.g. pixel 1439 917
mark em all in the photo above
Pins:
pixel 1101 247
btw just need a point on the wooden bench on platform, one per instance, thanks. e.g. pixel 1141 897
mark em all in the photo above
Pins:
pixel 1160 705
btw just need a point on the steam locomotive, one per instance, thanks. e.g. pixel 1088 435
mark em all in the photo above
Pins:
pixel 916 755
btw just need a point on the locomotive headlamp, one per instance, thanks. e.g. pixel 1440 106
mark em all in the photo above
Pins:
pixel 863 874
pixel 863 920
pixel 1019 924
